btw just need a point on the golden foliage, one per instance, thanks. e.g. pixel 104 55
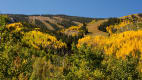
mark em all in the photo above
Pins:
pixel 118 26
pixel 124 17
pixel 121 45
pixel 126 22
pixel 92 22
pixel 38 39
pixel 14 27
pixel 84 40
pixel 73 30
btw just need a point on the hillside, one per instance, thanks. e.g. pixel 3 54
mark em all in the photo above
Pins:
pixel 51 22
pixel 122 24
pixel 60 47
pixel 93 28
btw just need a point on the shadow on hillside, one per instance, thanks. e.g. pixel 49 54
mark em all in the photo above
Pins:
pixel 89 33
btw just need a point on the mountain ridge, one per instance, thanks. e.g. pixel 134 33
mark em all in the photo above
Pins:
pixel 51 22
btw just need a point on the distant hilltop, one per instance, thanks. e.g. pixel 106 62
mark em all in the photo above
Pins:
pixel 50 22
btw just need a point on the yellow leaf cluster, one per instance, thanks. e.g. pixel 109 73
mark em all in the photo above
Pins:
pixel 97 41
pixel 73 30
pixel 121 45
pixel 118 26
pixel 38 39
pixel 84 40
pixel 15 27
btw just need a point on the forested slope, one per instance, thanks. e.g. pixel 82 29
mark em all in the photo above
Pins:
pixel 29 51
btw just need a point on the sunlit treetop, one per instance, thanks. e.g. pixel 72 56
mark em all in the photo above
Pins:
pixel 38 39
pixel 15 27
pixel 73 31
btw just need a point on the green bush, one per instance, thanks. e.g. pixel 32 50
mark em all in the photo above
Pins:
pixel 121 69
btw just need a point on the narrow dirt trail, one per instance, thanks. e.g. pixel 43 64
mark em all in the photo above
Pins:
pixel 93 29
